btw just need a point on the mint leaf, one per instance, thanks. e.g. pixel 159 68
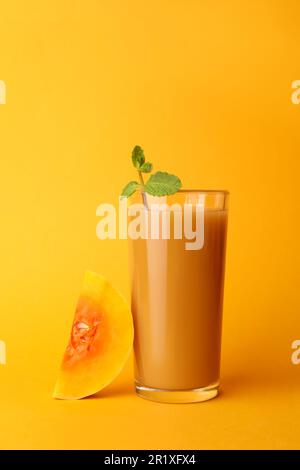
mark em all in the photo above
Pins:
pixel 158 184
pixel 162 184
pixel 146 167
pixel 130 188
pixel 138 157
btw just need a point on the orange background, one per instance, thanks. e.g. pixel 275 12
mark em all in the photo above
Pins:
pixel 205 88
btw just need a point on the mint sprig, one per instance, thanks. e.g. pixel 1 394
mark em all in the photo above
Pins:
pixel 146 167
pixel 162 184
pixel 158 184
pixel 130 188
pixel 138 158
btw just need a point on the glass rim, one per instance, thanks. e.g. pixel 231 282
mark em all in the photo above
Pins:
pixel 205 191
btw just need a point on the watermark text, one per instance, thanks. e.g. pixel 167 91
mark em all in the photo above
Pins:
pixel 295 357
pixel 2 353
pixel 295 96
pixel 157 221
pixel 2 92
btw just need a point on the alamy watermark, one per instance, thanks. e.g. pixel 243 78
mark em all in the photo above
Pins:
pixel 2 353
pixel 295 96
pixel 2 92
pixel 295 357
pixel 159 221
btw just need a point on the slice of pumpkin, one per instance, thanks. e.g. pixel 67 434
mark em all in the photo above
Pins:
pixel 100 343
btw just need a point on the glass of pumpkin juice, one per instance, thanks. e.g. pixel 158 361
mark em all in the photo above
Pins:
pixel 177 295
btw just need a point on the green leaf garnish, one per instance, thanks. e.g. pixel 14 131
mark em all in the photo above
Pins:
pixel 137 157
pixel 146 167
pixel 159 184
pixel 130 188
pixel 162 184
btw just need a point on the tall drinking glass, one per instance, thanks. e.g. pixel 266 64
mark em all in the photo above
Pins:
pixel 177 275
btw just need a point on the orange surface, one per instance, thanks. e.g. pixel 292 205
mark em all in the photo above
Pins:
pixel 206 89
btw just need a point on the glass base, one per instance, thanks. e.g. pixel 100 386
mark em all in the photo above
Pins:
pixel 177 396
